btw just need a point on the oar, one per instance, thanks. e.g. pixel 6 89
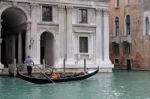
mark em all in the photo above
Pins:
pixel 48 78
pixel 46 75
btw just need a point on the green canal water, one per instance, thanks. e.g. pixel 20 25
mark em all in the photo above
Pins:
pixel 116 85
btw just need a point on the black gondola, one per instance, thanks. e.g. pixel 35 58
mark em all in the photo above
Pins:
pixel 50 80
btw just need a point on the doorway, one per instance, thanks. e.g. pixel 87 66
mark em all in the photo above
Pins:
pixel 47 48
pixel 128 64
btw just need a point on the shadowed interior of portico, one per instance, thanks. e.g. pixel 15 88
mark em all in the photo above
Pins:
pixel 13 36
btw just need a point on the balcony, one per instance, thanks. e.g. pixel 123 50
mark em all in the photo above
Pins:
pixel 115 39
pixel 126 39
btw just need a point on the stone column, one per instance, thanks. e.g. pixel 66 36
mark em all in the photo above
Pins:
pixel 19 48
pixel 70 43
pixel 61 35
pixel 28 35
pixel 106 35
pixel 106 60
pixel 99 36
pixel 1 65
pixel 34 36
pixel 13 47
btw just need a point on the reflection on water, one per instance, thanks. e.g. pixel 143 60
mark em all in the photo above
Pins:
pixel 117 85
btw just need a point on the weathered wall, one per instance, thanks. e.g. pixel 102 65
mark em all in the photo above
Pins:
pixel 140 43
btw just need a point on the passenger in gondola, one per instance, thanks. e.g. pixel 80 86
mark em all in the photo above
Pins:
pixel 29 63
pixel 55 75
pixel 82 73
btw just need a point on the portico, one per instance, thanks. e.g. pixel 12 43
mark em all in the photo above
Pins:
pixel 13 36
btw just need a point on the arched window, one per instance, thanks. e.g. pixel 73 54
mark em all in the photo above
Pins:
pixel 147 26
pixel 117 3
pixel 116 26
pixel 128 24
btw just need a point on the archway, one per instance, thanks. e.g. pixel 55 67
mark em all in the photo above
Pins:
pixel 47 48
pixel 13 36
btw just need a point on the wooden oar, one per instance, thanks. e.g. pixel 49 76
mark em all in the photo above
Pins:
pixel 46 75
pixel 48 78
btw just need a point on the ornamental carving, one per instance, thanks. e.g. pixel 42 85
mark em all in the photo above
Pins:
pixel 14 3
pixel 26 6
pixel 4 4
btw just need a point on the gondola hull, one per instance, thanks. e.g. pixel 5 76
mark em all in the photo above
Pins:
pixel 46 80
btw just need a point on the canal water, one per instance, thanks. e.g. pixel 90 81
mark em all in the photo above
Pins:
pixel 116 85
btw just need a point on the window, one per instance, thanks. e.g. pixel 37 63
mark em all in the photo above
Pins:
pixel 116 26
pixel 128 24
pixel 127 48
pixel 115 48
pixel 83 44
pixel 127 2
pixel 147 26
pixel 116 61
pixel 46 13
pixel 82 15
pixel 116 3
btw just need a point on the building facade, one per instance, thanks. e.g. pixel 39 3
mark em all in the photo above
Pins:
pixel 54 31
pixel 129 34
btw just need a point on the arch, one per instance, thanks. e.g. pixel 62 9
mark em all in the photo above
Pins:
pixel 47 48
pixel 117 26
pixel 18 7
pixel 47 31
pixel 128 24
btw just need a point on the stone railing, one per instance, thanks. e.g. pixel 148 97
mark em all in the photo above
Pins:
pixel 115 39
pixel 126 39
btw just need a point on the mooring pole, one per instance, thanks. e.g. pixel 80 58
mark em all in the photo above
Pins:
pixel 84 65
pixel 64 62
pixel 14 68
pixel 44 66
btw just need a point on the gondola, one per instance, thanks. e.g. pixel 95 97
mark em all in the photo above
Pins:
pixel 45 79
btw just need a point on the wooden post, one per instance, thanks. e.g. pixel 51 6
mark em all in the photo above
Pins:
pixel 84 65
pixel 44 66
pixel 14 69
pixel 64 62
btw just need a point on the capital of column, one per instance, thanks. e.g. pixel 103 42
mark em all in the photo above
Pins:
pixel 99 9
pixel 105 10
pixel 1 41
pixel 34 5
pixel 69 6
pixel 61 6
pixel 28 26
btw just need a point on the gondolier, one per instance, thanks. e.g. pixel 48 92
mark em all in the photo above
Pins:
pixel 29 63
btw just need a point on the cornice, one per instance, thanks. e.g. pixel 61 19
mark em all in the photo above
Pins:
pixel 75 3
